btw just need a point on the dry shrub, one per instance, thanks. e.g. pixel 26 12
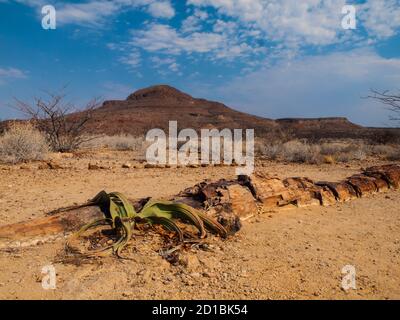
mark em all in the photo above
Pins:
pixel 301 152
pixel 394 156
pixel 333 148
pixel 266 149
pixel 391 153
pixel 22 142
pixel 118 142
pixel 304 152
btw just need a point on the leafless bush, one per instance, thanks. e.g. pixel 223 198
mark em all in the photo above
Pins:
pixel 118 142
pixel 302 152
pixel 65 132
pixel 22 142
pixel 332 148
pixel 328 152
pixel 391 153
pixel 394 155
pixel 272 151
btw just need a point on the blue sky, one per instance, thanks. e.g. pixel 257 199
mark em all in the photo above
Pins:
pixel 272 58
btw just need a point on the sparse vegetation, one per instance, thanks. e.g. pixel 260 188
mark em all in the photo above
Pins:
pixel 65 132
pixel 118 142
pixel 122 216
pixel 22 142
pixel 301 151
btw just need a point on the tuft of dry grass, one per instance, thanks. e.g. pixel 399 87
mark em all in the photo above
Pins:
pixel 329 160
pixel 22 142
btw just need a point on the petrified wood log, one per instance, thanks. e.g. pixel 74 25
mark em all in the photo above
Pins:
pixel 382 184
pixel 228 200
pixel 363 185
pixel 390 173
pixel 51 225
pixel 342 190
pixel 270 191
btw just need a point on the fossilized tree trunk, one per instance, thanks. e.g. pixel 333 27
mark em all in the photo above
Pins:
pixel 50 225
pixel 228 201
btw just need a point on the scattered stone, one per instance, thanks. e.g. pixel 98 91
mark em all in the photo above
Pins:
pixel 154 166
pixel 43 166
pixel 126 165
pixel 97 167
pixel 93 166
pixel 53 165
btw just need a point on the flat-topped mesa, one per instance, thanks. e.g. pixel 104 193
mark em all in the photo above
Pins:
pixel 333 121
pixel 160 93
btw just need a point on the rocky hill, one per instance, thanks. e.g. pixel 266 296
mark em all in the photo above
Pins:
pixel 155 106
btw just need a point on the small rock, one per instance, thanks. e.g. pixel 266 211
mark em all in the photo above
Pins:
pixel 93 166
pixel 43 166
pixel 195 275
pixel 126 165
pixel 97 167
pixel 53 165
pixel 154 166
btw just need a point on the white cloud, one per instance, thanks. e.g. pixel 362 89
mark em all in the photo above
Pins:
pixel 93 13
pixel 381 18
pixel 161 9
pixel 11 73
pixel 311 22
pixel 328 85
pixel 133 59
pixel 315 22
pixel 174 67
pixel 161 38
pixel 96 12
pixel 194 22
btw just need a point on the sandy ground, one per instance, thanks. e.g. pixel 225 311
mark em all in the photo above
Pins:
pixel 283 254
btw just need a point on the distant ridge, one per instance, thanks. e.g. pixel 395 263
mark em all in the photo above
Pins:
pixel 155 106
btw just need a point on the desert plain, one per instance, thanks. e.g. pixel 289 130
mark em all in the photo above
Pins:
pixel 296 253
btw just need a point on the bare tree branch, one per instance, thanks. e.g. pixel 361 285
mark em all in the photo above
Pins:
pixel 65 130
pixel 392 101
